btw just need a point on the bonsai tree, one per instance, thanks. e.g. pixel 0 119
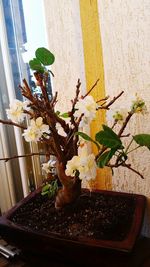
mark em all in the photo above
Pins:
pixel 63 136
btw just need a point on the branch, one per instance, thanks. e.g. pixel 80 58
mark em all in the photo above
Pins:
pixel 54 100
pixel 23 156
pixel 26 91
pixel 71 113
pixel 125 135
pixel 12 123
pixel 56 138
pixel 125 123
pixel 51 73
pixel 111 102
pixel 114 124
pixel 91 89
pixel 72 140
pixel 103 99
pixel 130 168
pixel 40 79
pixel 123 164
pixel 62 122
pixel 76 96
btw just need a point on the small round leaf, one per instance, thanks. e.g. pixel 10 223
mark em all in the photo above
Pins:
pixel 35 64
pixel 45 56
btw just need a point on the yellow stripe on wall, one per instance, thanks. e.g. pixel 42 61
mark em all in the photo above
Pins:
pixel 94 70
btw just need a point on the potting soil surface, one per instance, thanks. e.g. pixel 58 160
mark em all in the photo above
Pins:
pixel 94 215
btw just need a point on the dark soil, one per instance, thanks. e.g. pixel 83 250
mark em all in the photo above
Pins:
pixel 96 216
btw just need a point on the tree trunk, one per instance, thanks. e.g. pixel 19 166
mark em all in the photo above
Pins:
pixel 71 188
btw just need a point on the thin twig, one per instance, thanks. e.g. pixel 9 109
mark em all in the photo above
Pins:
pixel 100 107
pixel 111 102
pixel 134 149
pixel 125 135
pixel 12 123
pixel 130 168
pixel 54 100
pixel 40 80
pixel 51 73
pixel 22 156
pixel 77 95
pixel 114 124
pixel 128 145
pixel 125 123
pixel 123 164
pixel 103 99
pixel 91 89
pixel 71 113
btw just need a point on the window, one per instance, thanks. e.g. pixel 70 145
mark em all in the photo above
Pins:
pixel 19 39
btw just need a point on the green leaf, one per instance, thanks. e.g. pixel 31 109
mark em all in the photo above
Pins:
pixel 35 64
pixel 87 138
pixel 105 158
pixel 50 189
pixel 53 188
pixel 64 115
pixel 84 136
pixel 45 56
pixel 108 138
pixel 142 140
pixel 45 187
pixel 44 193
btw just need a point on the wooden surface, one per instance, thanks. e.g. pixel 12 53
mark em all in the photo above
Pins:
pixel 139 258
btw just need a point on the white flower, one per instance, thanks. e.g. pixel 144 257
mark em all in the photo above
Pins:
pixel 86 106
pixel 118 115
pixel 32 134
pixel 48 166
pixel 16 110
pixel 72 166
pixel 60 129
pixel 87 167
pixel 40 126
pixel 35 131
pixel 138 105
pixel 84 163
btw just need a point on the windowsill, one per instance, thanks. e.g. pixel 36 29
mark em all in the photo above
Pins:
pixel 139 257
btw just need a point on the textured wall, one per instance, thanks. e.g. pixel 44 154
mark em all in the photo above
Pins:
pixel 65 41
pixel 125 31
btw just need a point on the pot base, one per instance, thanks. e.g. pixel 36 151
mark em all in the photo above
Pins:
pixel 77 246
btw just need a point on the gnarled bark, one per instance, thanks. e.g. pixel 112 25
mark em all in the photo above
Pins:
pixel 71 188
